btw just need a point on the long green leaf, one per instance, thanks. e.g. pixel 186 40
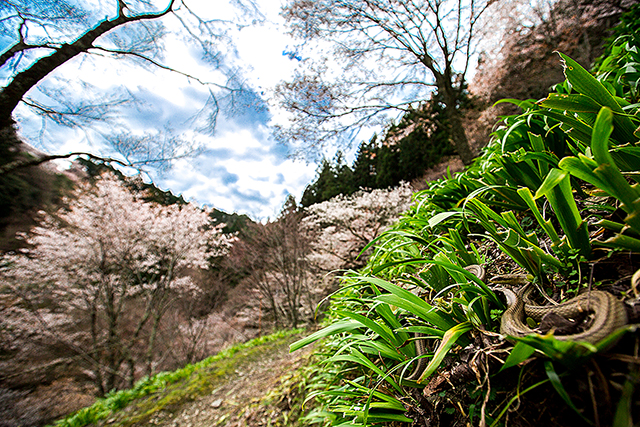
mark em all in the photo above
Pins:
pixel 431 332
pixel 389 399
pixel 558 192
pixel 569 353
pixel 572 102
pixel 360 359
pixel 448 340
pixel 579 169
pixel 546 225
pixel 537 144
pixel 335 328
pixel 382 330
pixel 620 241
pixel 432 316
pixel 573 127
pixel 391 320
pixel 553 178
pixel 622 417
pixel 588 85
pixel 379 348
pixel 524 104
pixel 600 138
pixel 443 216
pixel 410 302
pixel 557 385
pixel 520 352
pixel 617 185
pixel 471 278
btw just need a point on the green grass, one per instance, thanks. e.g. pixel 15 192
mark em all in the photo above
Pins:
pixel 169 390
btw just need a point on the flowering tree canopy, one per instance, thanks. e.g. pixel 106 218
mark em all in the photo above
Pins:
pixel 346 224
pixel 108 258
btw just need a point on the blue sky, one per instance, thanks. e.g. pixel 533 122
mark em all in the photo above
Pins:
pixel 239 167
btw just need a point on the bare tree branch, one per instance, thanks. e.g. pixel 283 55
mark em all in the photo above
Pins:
pixel 35 161
pixel 161 66
pixel 12 94
pixel 132 30
pixel 391 51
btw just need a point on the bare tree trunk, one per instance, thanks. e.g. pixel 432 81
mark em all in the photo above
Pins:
pixel 95 353
pixel 292 307
pixel 13 93
pixel 459 137
pixel 112 362
pixel 274 310
pixel 152 342
pixel 131 378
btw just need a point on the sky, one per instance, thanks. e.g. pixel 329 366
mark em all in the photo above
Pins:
pixel 237 168
pixel 240 168
pixel 243 169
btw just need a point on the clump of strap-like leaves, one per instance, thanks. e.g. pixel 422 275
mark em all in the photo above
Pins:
pixel 544 193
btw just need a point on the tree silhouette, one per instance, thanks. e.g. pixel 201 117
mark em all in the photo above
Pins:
pixel 392 54
pixel 42 36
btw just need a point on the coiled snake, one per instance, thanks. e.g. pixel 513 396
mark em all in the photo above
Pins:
pixel 609 314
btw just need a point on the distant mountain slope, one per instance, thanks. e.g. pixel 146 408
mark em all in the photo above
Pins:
pixel 25 191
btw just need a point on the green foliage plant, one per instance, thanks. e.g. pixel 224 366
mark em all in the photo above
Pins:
pixel 524 195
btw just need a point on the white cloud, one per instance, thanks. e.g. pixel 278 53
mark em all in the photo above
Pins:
pixel 241 169
pixel 261 47
pixel 240 172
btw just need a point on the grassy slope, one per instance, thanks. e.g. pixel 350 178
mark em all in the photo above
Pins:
pixel 570 151
pixel 166 394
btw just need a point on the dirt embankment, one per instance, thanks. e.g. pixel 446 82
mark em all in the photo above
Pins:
pixel 259 386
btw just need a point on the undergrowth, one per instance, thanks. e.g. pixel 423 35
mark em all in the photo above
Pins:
pixel 555 197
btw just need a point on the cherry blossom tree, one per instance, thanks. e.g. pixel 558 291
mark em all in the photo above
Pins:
pixel 344 225
pixel 285 261
pixel 100 275
pixel 273 259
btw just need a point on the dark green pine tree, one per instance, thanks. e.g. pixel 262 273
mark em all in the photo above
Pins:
pixel 364 166
pixel 388 170
pixel 385 164
pixel 333 178
pixel 422 149
pixel 232 222
pixel 324 180
pixel 344 183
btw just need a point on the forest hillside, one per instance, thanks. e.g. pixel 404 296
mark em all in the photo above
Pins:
pixel 400 265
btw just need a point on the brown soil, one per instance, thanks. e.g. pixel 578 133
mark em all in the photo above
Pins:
pixel 255 394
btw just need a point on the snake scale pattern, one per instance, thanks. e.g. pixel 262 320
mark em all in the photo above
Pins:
pixel 609 315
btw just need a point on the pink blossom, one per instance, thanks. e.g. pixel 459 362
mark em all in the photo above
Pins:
pixel 107 252
pixel 344 225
